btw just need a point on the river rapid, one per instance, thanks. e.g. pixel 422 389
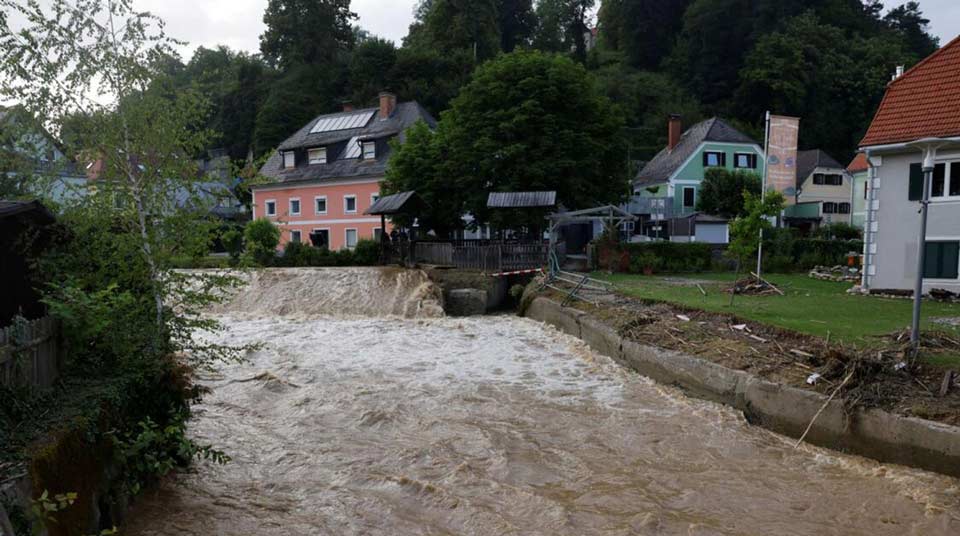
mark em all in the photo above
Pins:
pixel 356 424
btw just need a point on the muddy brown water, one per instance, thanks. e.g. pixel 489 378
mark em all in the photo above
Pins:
pixel 499 425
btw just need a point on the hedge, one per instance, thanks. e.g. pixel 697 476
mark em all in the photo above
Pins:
pixel 782 253
pixel 366 253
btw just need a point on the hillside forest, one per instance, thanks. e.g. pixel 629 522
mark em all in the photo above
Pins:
pixel 826 61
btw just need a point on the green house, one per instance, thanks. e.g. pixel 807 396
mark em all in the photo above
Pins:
pixel 669 185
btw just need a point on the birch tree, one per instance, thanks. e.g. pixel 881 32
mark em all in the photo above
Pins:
pixel 96 60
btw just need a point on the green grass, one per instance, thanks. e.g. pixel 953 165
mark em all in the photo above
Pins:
pixel 809 306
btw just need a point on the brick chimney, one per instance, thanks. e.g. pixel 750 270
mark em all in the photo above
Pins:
pixel 347 106
pixel 388 103
pixel 674 130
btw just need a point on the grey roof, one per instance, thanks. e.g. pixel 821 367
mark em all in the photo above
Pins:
pixel 13 208
pixel 405 115
pixel 659 170
pixel 521 199
pixel 807 161
pixel 405 202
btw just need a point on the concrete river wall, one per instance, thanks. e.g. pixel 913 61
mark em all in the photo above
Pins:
pixel 783 409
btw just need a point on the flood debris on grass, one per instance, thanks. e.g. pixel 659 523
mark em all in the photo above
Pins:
pixel 792 358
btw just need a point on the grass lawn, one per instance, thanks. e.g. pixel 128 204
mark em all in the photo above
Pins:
pixel 809 306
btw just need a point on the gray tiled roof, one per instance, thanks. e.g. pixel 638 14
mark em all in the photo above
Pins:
pixel 658 170
pixel 405 115
pixel 807 161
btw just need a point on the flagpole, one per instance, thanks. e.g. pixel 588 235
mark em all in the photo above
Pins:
pixel 763 188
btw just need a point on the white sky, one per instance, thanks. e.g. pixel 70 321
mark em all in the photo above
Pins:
pixel 239 23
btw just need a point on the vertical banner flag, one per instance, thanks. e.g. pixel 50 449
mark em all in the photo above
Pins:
pixel 782 156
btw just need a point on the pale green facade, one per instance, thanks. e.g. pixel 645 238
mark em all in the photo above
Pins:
pixel 691 174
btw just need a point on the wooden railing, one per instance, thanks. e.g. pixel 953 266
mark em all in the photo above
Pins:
pixel 483 255
pixel 30 353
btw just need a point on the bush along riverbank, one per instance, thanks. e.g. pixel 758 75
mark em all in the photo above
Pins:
pixel 875 403
pixel 74 458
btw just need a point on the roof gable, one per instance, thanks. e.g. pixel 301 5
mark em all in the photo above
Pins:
pixel 667 162
pixel 808 161
pixel 859 163
pixel 923 102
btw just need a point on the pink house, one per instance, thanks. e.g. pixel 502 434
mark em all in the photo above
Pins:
pixel 328 173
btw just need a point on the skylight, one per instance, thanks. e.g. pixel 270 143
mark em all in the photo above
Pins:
pixel 342 122
pixel 352 150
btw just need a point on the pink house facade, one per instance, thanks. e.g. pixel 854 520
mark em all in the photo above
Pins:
pixel 327 175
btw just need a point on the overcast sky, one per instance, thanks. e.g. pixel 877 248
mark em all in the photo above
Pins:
pixel 239 23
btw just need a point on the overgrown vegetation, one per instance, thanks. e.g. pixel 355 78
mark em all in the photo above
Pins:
pixel 131 324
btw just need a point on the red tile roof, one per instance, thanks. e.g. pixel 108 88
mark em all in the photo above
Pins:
pixel 859 163
pixel 924 102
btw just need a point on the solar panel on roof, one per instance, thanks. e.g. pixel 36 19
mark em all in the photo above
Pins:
pixel 342 122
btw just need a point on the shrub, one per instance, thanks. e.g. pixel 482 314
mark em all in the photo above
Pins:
pixel 671 256
pixel 262 238
pixel 838 231
pixel 367 253
pixel 232 240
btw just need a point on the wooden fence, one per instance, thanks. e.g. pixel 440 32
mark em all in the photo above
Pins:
pixel 30 353
pixel 483 255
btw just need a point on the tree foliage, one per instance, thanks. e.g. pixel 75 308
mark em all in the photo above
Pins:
pixel 527 121
pixel 95 62
pixel 721 192
pixel 312 32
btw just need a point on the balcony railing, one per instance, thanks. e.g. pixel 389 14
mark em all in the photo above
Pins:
pixel 659 208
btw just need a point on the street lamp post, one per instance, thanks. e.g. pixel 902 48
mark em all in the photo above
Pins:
pixel 929 148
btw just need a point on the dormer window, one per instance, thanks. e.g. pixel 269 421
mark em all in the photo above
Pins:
pixel 289 160
pixel 369 150
pixel 317 155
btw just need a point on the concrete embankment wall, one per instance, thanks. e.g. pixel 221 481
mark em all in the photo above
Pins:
pixel 786 410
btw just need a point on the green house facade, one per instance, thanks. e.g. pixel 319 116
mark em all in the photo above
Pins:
pixel 669 185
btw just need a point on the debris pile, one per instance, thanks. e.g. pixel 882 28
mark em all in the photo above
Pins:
pixel 755 287
pixel 943 295
pixel 835 273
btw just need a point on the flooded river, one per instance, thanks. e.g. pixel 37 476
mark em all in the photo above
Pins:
pixel 499 425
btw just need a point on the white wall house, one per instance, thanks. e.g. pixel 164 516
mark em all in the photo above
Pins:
pixel 921 104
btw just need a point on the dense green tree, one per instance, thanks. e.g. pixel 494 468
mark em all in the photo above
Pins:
pixel 431 77
pixel 644 30
pixel 908 21
pixel 300 94
pixel 561 25
pixel 819 72
pixel 517 23
pixel 721 192
pixel 415 165
pixel 527 121
pixel 306 31
pixel 464 25
pixel 646 98
pixel 371 66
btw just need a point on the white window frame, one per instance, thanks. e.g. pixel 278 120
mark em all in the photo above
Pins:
pixel 322 159
pixel 326 205
pixel 363 150
pixel 298 234
pixel 749 156
pixel 345 210
pixel 293 156
pixel 266 208
pixel 947 179
pixel 719 163
pixel 346 239
pixel 683 197
pixel 299 205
